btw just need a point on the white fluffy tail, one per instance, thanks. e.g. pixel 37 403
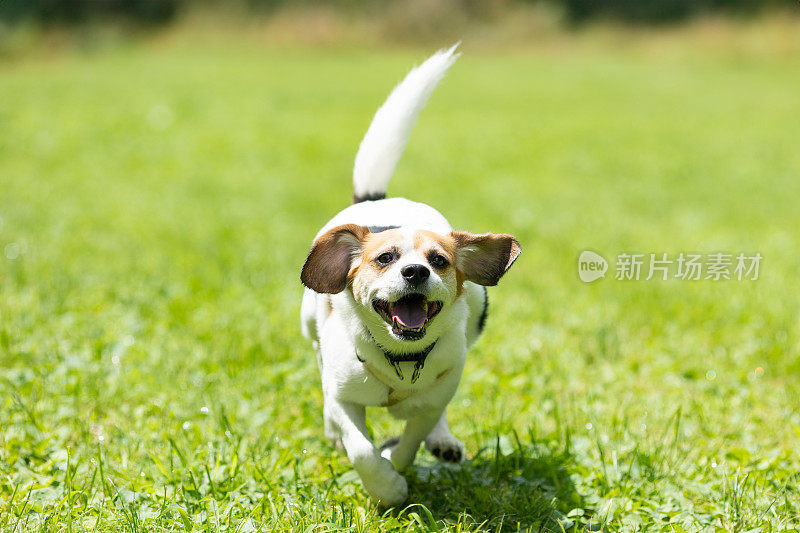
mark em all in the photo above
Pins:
pixel 386 137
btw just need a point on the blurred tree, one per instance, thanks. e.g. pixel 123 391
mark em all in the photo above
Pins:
pixel 162 11
pixel 652 11
pixel 71 11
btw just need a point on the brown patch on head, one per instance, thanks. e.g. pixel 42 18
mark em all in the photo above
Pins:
pixel 426 241
pixel 377 243
pixel 328 264
pixel 485 258
pixel 369 269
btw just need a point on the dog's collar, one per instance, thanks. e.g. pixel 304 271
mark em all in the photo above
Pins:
pixel 395 359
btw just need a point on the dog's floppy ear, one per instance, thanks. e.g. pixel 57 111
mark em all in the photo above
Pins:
pixel 328 264
pixel 485 258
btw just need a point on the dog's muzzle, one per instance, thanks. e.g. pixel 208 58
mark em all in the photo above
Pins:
pixel 409 316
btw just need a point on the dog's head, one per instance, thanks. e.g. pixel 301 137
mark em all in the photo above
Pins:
pixel 404 279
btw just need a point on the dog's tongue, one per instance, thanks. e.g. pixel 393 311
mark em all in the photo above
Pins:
pixel 410 313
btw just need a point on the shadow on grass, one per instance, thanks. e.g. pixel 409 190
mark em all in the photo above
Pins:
pixel 504 488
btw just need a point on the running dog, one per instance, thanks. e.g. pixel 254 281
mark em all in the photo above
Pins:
pixel 394 299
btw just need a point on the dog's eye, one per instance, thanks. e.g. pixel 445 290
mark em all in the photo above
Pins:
pixel 438 261
pixel 385 258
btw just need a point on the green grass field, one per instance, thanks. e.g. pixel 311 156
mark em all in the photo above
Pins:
pixel 157 202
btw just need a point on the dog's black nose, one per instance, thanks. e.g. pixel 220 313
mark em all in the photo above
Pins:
pixel 415 274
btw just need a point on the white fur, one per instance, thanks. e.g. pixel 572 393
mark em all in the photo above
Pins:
pixel 386 137
pixel 342 327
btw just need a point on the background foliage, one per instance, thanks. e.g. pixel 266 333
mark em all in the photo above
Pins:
pixel 161 11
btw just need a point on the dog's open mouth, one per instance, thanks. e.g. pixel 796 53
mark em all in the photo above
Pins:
pixel 408 316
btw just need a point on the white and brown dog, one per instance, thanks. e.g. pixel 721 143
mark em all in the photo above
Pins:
pixel 395 298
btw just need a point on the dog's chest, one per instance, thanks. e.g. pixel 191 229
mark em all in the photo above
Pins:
pixel 396 394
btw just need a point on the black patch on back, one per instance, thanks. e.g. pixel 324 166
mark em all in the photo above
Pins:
pixel 368 198
pixel 378 229
pixel 484 312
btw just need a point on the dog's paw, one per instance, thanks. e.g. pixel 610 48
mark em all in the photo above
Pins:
pixel 445 448
pixel 382 481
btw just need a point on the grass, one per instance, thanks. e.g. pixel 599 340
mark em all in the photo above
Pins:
pixel 157 202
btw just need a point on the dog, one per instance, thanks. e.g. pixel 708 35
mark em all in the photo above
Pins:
pixel 394 298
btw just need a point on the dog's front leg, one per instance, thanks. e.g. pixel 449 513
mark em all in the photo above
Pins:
pixel 417 428
pixel 380 478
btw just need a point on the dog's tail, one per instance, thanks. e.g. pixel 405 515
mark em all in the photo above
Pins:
pixel 387 134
